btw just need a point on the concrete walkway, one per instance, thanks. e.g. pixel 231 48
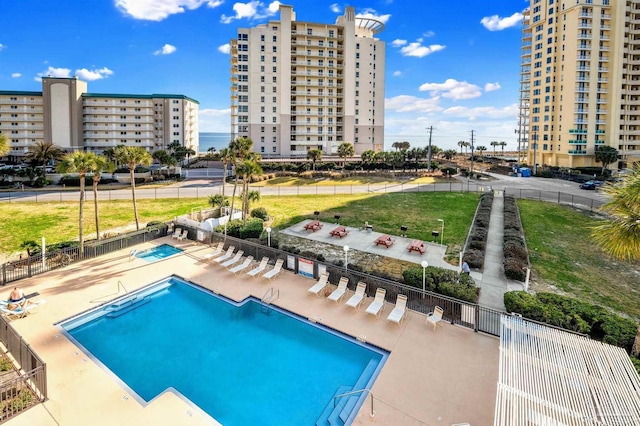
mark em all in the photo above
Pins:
pixel 494 284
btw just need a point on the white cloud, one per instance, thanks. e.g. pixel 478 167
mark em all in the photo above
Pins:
pixel 490 87
pixel 225 48
pixel 2 46
pixel 214 3
pixel 372 14
pixel 335 8
pixel 16 75
pixel 252 10
pixel 418 50
pixel 397 73
pixel 428 34
pixel 406 103
pixel 85 74
pixel 214 120
pixel 452 89
pixel 167 49
pixel 157 10
pixel 54 72
pixel 398 42
pixel 496 23
pixel 488 112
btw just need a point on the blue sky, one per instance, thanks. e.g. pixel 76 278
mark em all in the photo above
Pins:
pixel 453 65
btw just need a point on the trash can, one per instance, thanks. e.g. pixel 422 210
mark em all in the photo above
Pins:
pixel 435 234
pixel 369 229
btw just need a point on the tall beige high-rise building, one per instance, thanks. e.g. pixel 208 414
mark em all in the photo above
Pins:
pixel 580 81
pixel 298 85
pixel 67 115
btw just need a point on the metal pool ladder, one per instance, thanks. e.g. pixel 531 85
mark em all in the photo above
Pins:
pixel 269 297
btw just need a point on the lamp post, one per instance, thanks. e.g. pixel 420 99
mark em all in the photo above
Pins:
pixel 269 236
pixel 346 258
pixel 424 265
pixel 441 231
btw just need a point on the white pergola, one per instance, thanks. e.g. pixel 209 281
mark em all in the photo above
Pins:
pixel 553 378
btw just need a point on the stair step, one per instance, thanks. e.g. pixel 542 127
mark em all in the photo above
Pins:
pixel 360 384
pixel 323 420
pixel 123 309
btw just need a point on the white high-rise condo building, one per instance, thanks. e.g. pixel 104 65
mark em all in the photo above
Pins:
pixel 580 81
pixel 297 86
pixel 65 114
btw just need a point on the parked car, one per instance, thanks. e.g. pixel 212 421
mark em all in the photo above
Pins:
pixel 591 185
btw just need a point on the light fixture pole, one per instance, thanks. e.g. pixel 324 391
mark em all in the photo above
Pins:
pixel 424 265
pixel 441 232
pixel 269 236
pixel 346 257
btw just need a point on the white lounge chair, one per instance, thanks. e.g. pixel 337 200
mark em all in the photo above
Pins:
pixel 185 233
pixel 20 311
pixel 277 268
pixel 435 317
pixel 400 310
pixel 377 306
pixel 176 233
pixel 337 294
pixel 356 300
pixel 235 259
pixel 244 265
pixel 216 252
pixel 260 268
pixel 320 285
pixel 225 256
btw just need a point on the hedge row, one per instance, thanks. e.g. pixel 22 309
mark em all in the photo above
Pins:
pixel 516 257
pixel 476 246
pixel 235 228
pixel 573 314
pixel 443 281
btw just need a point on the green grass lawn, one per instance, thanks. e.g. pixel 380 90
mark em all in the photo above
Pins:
pixel 345 181
pixel 564 256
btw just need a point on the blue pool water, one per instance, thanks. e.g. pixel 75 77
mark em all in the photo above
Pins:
pixel 158 253
pixel 241 363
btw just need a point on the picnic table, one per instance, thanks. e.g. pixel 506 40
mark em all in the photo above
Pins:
pixel 385 240
pixel 313 226
pixel 417 245
pixel 340 231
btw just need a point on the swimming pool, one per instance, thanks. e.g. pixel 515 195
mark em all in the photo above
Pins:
pixel 158 253
pixel 242 363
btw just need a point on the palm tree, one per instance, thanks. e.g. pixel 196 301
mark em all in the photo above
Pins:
pixel 449 154
pixel 314 155
pixel 481 148
pixel 81 163
pixel 368 156
pixel 345 150
pixel 4 145
pixel 494 144
pixel 606 155
pixel 100 164
pixel 240 149
pixel 133 156
pixel 226 158
pixel 250 197
pixel 461 144
pixel 43 152
pixel 502 145
pixel 619 235
pixel 247 169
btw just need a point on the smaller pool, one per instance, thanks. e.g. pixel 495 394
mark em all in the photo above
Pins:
pixel 158 253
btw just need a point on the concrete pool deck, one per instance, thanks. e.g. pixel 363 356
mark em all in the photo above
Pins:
pixel 432 377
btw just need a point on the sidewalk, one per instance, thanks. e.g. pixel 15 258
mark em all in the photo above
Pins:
pixel 494 284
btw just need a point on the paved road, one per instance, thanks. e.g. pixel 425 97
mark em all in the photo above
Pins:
pixel 544 189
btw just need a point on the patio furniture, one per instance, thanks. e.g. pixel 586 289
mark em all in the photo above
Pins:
pixel 435 317
pixel 317 288
pixel 340 231
pixel 337 294
pixel 384 240
pixel 260 268
pixel 400 310
pixel 418 246
pixel 216 252
pixel 235 259
pixel 313 226
pixel 225 256
pixel 277 268
pixel 356 300
pixel 377 306
pixel 185 233
pixel 176 233
pixel 244 265
pixel 20 311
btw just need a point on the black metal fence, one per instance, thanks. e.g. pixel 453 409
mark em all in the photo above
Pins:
pixel 466 314
pixel 556 197
pixel 34 265
pixel 28 384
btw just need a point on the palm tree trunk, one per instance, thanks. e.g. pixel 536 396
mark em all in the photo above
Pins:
pixel 133 194
pixel 95 205
pixel 224 178
pixel 81 215
pixel 233 201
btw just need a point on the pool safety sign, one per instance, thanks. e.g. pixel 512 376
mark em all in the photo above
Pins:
pixel 305 267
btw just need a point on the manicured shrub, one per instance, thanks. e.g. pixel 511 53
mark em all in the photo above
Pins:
pixel 477 244
pixel 513 250
pixel 474 257
pixel 443 281
pixel 468 294
pixel 260 212
pixel 516 257
pixel 252 229
pixel 514 269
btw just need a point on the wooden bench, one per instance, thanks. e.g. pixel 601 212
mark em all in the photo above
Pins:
pixel 385 240
pixel 340 231
pixel 417 245
pixel 313 226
